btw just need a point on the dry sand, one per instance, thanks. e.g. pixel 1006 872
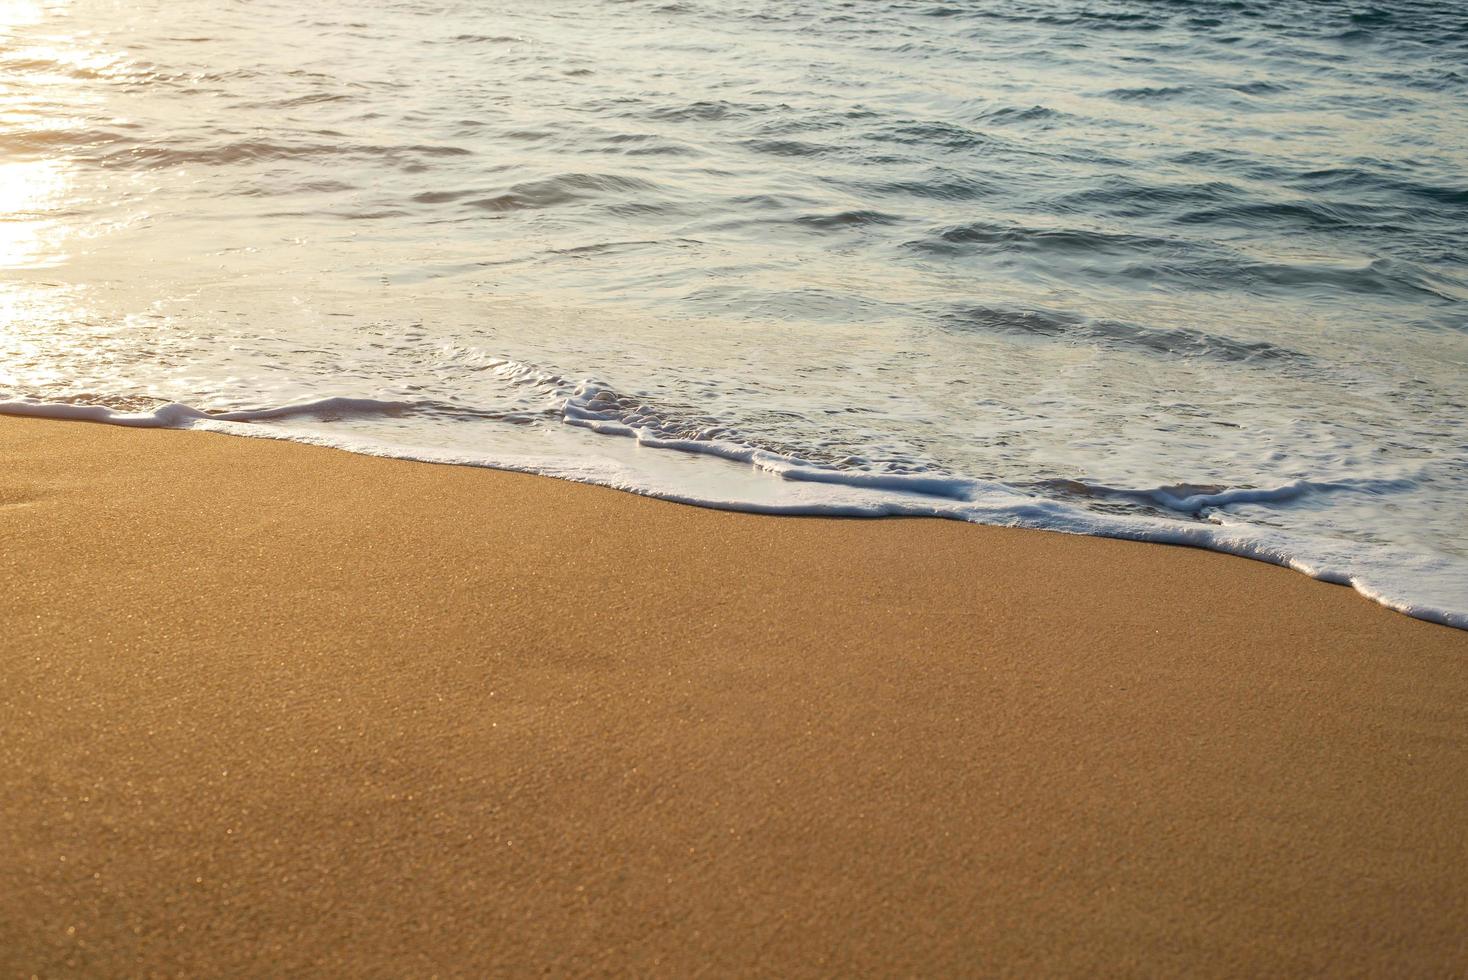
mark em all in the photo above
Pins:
pixel 267 708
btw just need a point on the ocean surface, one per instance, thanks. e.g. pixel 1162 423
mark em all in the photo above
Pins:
pixel 1177 271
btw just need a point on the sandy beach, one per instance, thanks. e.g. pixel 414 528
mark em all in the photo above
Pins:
pixel 271 709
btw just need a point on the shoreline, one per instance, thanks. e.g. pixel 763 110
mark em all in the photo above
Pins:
pixel 1315 560
pixel 278 707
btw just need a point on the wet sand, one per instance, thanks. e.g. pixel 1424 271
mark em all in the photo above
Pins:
pixel 269 708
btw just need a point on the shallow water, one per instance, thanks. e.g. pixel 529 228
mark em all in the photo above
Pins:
pixel 1178 271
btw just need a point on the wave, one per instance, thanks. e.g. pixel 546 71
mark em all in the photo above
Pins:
pixel 1147 94
pixel 702 112
pixel 764 481
pixel 1172 342
pixel 979 235
pixel 485 39
pixel 936 133
pixel 535 195
pixel 1195 501
pixel 138 155
pixel 846 219
pixel 175 415
pixel 1014 115
pixel 786 148
pixel 1199 265
pixel 1359 180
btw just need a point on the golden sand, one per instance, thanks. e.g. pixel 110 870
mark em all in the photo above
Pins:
pixel 270 709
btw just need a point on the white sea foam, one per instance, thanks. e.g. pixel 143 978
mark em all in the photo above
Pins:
pixel 745 478
pixel 178 416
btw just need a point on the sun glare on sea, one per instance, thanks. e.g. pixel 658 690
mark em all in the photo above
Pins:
pixel 28 191
pixel 18 13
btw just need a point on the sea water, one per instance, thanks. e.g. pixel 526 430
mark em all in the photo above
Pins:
pixel 1179 271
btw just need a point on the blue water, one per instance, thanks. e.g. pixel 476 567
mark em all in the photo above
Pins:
pixel 1177 271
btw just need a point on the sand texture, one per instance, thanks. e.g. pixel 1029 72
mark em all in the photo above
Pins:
pixel 269 709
